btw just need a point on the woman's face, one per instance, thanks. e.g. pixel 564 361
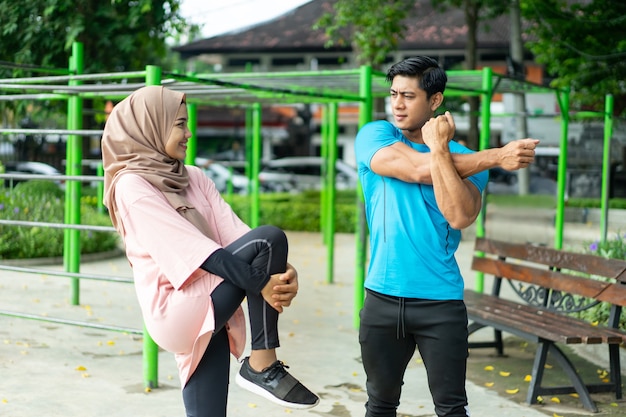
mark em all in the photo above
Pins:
pixel 176 145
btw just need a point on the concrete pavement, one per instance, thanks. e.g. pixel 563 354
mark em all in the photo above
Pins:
pixel 49 370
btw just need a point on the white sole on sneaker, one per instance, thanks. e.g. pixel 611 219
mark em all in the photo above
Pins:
pixel 254 388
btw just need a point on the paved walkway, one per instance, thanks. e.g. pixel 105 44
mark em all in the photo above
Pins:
pixel 49 370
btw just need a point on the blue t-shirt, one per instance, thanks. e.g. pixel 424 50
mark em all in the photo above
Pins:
pixel 412 244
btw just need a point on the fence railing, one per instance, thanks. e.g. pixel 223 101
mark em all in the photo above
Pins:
pixel 150 351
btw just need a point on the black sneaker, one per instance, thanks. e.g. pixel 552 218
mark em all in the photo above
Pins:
pixel 277 385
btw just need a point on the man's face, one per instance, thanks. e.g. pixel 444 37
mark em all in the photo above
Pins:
pixel 410 107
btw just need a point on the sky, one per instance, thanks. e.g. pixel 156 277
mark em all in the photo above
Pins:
pixel 219 16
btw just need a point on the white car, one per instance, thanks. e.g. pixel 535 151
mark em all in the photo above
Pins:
pixel 221 175
pixel 299 173
pixel 31 168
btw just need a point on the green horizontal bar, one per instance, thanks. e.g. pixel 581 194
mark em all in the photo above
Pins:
pixel 70 322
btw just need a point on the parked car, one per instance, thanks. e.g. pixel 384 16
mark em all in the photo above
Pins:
pixel 221 175
pixel 303 173
pixel 31 168
pixel 500 175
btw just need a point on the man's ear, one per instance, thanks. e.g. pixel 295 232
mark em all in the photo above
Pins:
pixel 435 101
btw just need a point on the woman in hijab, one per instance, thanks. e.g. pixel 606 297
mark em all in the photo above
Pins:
pixel 194 260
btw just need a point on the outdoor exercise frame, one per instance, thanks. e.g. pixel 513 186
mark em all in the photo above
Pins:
pixel 252 91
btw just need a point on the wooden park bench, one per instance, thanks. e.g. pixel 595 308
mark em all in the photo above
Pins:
pixel 552 285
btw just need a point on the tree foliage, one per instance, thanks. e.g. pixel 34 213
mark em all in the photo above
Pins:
pixel 118 35
pixel 583 46
pixel 373 28
pixel 475 11
pixel 376 27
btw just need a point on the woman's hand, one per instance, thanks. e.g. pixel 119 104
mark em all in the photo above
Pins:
pixel 281 289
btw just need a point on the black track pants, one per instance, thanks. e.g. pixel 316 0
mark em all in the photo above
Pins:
pixel 391 329
pixel 205 394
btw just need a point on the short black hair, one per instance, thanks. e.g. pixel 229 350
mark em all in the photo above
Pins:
pixel 431 77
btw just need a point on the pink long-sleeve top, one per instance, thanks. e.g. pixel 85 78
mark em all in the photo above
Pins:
pixel 166 251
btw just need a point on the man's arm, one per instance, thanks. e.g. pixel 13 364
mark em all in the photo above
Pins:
pixel 458 199
pixel 404 163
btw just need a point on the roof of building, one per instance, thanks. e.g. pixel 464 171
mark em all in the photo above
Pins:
pixel 426 29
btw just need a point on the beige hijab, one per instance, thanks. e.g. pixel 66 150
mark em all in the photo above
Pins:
pixel 134 141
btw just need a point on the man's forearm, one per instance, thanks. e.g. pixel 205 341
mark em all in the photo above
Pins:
pixel 456 201
pixel 468 164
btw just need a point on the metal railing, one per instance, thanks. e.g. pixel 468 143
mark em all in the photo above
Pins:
pixel 150 358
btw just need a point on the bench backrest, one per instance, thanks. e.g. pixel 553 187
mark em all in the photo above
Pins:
pixel 559 270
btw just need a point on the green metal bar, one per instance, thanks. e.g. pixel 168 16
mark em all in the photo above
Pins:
pixel 153 75
pixel 366 109
pixel 74 156
pixel 324 131
pixel 69 322
pixel 253 181
pixel 256 164
pixel 561 179
pixel 485 123
pixel 74 77
pixel 285 74
pixel 331 192
pixel 150 348
pixel 192 144
pixel 606 165
pixel 297 92
pixel 229 182
pixel 100 189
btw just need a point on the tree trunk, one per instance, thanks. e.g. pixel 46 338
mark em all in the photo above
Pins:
pixel 471 18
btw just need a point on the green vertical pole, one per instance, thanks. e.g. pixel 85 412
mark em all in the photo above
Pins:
pixel 561 181
pixel 248 153
pixel 485 122
pixel 192 144
pixel 324 128
pixel 606 165
pixel 150 348
pixel 365 115
pixel 253 180
pixel 229 182
pixel 71 104
pixel 255 164
pixel 100 189
pixel 73 166
pixel 153 75
pixel 331 159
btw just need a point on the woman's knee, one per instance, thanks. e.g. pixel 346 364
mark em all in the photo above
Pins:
pixel 273 234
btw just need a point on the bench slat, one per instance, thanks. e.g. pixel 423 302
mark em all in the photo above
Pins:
pixel 586 263
pixel 590 288
pixel 543 323
pixel 562 281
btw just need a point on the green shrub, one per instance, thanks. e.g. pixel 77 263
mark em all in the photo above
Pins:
pixel 38 188
pixel 43 201
pixel 298 212
pixel 614 203
pixel 614 248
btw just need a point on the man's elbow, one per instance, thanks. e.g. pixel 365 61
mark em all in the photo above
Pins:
pixel 462 221
pixel 460 225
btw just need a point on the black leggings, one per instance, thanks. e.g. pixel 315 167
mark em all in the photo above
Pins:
pixel 391 328
pixel 206 392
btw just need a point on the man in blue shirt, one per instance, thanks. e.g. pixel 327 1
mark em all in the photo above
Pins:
pixel 421 189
